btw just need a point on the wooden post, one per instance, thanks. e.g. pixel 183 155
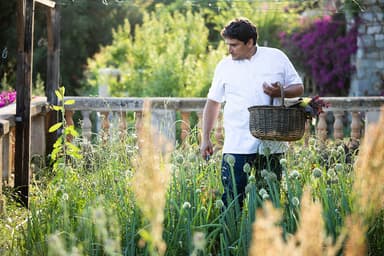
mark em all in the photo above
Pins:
pixel 23 99
pixel 53 72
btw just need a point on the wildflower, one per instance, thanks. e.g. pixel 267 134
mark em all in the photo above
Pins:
pixel 247 168
pixel 317 173
pixel 271 176
pixel 230 159
pixel 65 197
pixel 265 196
pixel 264 173
pixel 267 151
pixel 262 192
pixel 294 174
pixel 248 188
pixel 219 204
pixel 186 205
pixel 335 180
pixel 283 162
pixel 199 241
pixel 198 191
pixel 203 209
pixel 179 159
pixel 338 167
pixel 340 150
pixel 331 172
pixel 252 179
pixel 295 201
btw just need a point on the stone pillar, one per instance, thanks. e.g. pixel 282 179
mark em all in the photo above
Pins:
pixel 368 80
pixel 103 90
pixel 164 121
pixel 38 146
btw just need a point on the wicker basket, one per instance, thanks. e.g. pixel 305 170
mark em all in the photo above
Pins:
pixel 279 123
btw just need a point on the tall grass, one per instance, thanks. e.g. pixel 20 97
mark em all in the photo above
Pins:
pixel 128 197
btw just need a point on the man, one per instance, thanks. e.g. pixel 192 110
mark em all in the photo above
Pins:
pixel 249 76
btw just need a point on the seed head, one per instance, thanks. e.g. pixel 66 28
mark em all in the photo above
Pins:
pixel 186 205
pixel 316 172
pixel 252 179
pixel 295 201
pixel 294 174
pixel 247 168
pixel 219 204
pixel 230 159
pixel 262 192
pixel 283 162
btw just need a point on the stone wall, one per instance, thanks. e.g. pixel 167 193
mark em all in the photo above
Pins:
pixel 369 60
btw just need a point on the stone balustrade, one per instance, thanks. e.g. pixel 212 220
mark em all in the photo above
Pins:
pixel 344 117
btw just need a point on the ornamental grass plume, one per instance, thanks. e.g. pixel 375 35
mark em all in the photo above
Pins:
pixel 310 238
pixel 368 188
pixel 150 181
pixel 369 170
pixel 267 235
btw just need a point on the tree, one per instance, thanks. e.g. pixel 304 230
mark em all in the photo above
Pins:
pixel 168 56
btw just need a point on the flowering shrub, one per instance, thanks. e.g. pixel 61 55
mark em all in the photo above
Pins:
pixel 323 51
pixel 7 97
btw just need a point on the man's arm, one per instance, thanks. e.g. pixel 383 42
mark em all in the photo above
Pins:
pixel 210 114
pixel 293 90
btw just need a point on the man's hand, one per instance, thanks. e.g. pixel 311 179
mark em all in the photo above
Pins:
pixel 206 149
pixel 273 89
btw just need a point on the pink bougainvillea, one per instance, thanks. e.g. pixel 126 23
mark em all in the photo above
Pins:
pixel 323 50
pixel 7 97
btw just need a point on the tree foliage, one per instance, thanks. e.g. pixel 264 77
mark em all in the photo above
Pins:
pixel 169 56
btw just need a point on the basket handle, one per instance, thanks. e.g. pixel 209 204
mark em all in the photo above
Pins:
pixel 281 93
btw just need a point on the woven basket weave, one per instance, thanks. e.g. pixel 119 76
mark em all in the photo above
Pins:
pixel 279 123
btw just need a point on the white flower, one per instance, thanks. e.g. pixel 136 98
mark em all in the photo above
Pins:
pixel 65 197
pixel 252 179
pixel 247 168
pixel 199 241
pixel 283 162
pixel 294 174
pixel 186 205
pixel 262 192
pixel 339 167
pixel 295 201
pixel 265 196
pixel 264 173
pixel 219 204
pixel 230 159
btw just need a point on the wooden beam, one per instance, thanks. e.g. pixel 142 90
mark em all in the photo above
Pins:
pixel 53 72
pixel 23 103
pixel 46 3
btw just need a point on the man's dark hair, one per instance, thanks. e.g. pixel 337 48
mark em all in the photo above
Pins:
pixel 241 29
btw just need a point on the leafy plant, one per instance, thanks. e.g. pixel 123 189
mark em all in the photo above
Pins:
pixel 323 51
pixel 63 147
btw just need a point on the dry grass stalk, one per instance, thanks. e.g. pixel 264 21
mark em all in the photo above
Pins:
pixel 267 235
pixel 368 187
pixel 310 234
pixel 310 238
pixel 151 180
pixel 355 244
pixel 369 170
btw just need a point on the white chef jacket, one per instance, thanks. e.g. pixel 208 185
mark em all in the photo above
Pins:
pixel 239 83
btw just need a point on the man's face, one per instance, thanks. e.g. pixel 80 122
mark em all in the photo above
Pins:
pixel 238 49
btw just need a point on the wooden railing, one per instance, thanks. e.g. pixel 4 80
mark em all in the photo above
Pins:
pixel 346 117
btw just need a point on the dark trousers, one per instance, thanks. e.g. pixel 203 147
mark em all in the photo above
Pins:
pixel 257 161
